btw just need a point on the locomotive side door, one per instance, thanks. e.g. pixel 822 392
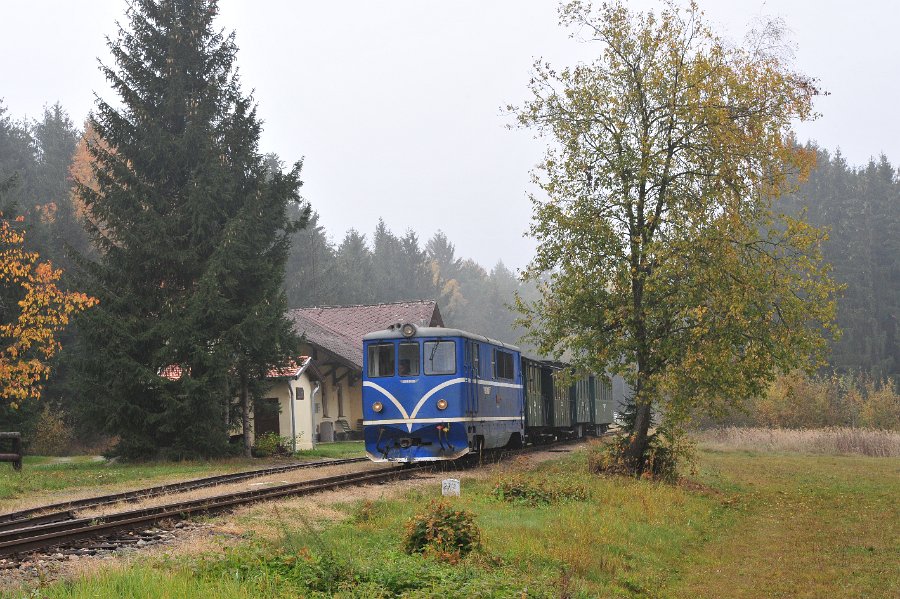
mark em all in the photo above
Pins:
pixel 472 375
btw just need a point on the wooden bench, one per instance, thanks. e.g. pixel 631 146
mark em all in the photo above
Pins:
pixel 343 429
pixel 16 455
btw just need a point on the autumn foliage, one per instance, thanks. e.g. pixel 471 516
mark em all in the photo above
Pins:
pixel 82 168
pixel 32 313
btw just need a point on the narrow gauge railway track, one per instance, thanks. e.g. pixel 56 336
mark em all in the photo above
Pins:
pixel 58 512
pixel 500 454
pixel 37 536
pixel 53 534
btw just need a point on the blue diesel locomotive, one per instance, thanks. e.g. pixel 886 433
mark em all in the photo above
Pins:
pixel 433 393
pixel 438 394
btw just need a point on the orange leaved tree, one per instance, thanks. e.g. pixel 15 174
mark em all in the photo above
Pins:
pixel 33 310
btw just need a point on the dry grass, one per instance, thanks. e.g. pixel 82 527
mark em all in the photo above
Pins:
pixel 826 441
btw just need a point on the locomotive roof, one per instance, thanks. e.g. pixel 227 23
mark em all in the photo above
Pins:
pixel 436 332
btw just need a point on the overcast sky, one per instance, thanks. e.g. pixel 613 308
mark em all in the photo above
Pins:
pixel 397 106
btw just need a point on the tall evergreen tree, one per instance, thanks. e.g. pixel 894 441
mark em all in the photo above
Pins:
pixel 16 163
pixel 445 269
pixel 311 275
pixel 388 278
pixel 413 263
pixel 55 138
pixel 354 265
pixel 191 230
pixel 861 209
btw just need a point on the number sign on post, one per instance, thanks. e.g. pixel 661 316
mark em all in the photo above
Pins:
pixel 450 487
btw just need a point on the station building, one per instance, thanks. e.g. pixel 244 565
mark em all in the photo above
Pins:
pixel 318 397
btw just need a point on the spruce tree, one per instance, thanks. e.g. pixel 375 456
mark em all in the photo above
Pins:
pixel 55 138
pixel 416 270
pixel 191 236
pixel 353 260
pixel 311 273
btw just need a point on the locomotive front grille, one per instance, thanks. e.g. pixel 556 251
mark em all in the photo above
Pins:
pixel 407 442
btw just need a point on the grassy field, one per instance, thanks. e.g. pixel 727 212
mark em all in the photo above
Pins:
pixel 46 477
pixel 42 476
pixel 340 449
pixel 747 525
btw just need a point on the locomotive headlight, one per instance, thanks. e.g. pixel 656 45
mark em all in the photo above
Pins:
pixel 442 404
pixel 377 406
pixel 408 330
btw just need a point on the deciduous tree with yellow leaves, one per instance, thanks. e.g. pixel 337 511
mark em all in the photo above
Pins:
pixel 33 310
pixel 668 260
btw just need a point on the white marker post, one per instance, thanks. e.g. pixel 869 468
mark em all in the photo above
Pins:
pixel 450 487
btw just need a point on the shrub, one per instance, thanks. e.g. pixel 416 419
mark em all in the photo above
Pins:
pixel 269 444
pixel 666 450
pixel 52 436
pixel 798 401
pixel 881 410
pixel 442 532
pixel 519 489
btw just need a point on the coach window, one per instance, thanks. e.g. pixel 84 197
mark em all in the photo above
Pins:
pixel 440 357
pixel 381 359
pixel 409 359
pixel 503 365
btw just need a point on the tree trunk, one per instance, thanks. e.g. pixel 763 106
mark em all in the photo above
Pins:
pixel 245 417
pixel 636 454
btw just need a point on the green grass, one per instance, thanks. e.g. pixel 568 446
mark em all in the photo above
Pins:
pixel 148 583
pixel 773 525
pixel 44 476
pixel 340 449
pixel 809 526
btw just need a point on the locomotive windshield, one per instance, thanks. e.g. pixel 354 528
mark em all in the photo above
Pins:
pixel 409 359
pixel 381 359
pixel 440 357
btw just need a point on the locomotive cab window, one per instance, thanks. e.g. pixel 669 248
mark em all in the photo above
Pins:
pixel 440 357
pixel 503 365
pixel 408 364
pixel 381 359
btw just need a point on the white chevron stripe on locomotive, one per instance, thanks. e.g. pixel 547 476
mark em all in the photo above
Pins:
pixel 410 419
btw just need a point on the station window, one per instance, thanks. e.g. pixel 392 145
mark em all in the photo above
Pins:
pixel 381 359
pixel 440 357
pixel 503 365
pixel 409 359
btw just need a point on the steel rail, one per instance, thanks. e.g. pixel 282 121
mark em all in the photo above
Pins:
pixel 57 533
pixel 63 510
pixel 52 533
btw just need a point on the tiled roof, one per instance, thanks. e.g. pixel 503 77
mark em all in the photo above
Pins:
pixel 340 329
pixel 289 369
pixel 173 372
